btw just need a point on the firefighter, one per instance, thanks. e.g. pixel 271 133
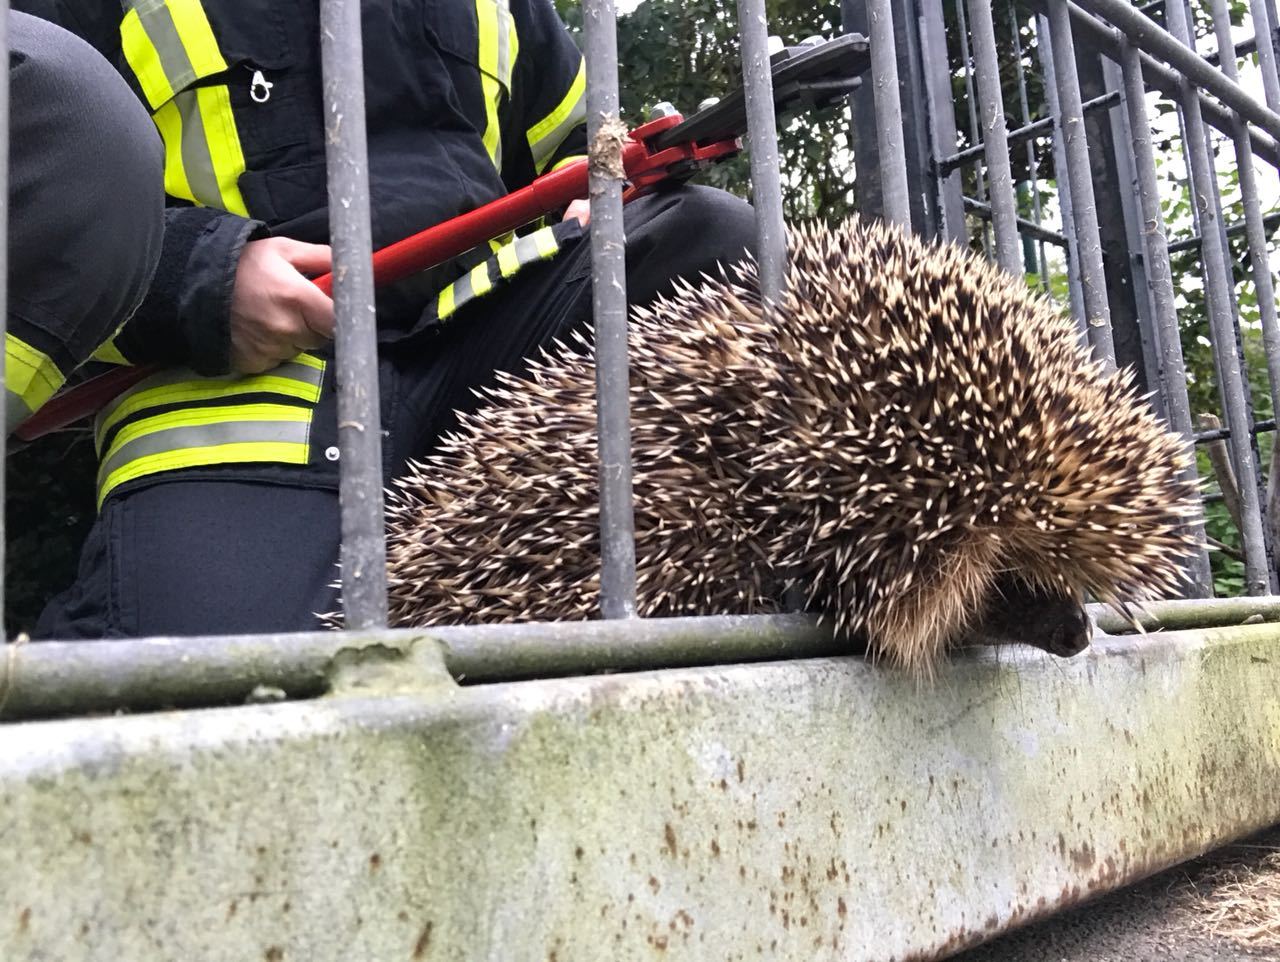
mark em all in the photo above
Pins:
pixel 80 255
pixel 218 478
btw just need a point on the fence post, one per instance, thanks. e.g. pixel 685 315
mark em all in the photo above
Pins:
pixel 609 299
pixel 364 549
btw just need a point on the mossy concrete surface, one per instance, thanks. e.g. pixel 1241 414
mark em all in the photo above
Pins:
pixel 816 809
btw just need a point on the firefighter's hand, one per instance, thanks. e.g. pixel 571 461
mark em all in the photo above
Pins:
pixel 580 210
pixel 275 311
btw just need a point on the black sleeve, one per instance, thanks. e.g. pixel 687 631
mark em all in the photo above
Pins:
pixel 186 315
pixel 546 124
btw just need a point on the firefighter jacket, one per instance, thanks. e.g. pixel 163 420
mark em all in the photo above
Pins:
pixel 465 99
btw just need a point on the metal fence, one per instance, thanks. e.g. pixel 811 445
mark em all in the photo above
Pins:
pixel 1088 182
pixel 1131 111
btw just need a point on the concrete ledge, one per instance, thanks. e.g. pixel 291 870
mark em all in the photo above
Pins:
pixel 818 809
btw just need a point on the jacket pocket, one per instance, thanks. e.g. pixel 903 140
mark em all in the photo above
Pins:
pixel 197 76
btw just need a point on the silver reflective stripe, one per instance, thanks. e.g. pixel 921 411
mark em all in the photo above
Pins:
pixel 196 160
pixel 464 291
pixel 291 371
pixel 545 146
pixel 539 245
pixel 504 43
pixel 204 436
pixel 527 250
pixel 15 411
pixel 163 34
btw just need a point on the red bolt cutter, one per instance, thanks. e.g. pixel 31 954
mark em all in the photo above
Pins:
pixel 816 73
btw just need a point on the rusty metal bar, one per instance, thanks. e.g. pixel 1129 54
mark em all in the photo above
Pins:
pixel 364 549
pixel 1004 207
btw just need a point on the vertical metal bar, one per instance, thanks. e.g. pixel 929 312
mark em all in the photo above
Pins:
pixel 4 280
pixel 364 549
pixel 609 298
pixel 1084 211
pixel 1138 28
pixel 1033 155
pixel 884 72
pixel 1263 25
pixel 971 102
pixel 995 136
pixel 1218 299
pixel 1254 228
pixel 1075 293
pixel 762 137
pixel 1173 369
pixel 942 121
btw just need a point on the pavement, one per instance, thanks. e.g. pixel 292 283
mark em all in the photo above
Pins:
pixel 1164 919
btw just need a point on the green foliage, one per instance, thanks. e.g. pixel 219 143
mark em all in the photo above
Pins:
pixel 685 51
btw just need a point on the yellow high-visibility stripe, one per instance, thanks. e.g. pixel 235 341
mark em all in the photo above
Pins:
pixel 144 60
pixel 236 452
pixel 480 282
pixel 308 360
pixel 508 260
pixel 487 30
pixel 208 389
pixel 571 159
pixel 445 304
pixel 110 354
pixel 30 377
pixel 195 417
pixel 204 436
pixel 170 45
pixel 546 242
pixel 197 37
pixel 546 136
pixel 224 146
pixel 169 122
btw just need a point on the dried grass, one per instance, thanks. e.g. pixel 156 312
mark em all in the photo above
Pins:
pixel 1239 899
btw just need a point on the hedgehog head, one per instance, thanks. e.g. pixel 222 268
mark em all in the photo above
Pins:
pixel 944 435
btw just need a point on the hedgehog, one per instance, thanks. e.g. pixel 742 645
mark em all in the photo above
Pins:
pixel 905 441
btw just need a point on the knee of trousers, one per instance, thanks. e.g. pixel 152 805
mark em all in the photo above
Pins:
pixel 87 170
pixel 685 231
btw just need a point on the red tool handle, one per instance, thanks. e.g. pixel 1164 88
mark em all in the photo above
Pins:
pixel 423 250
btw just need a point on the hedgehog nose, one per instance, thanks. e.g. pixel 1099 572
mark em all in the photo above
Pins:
pixel 1068 640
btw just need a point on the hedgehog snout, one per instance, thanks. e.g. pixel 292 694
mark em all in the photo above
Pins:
pixel 1052 621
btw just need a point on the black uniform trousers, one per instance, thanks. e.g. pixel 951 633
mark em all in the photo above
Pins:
pixel 86 193
pixel 185 556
